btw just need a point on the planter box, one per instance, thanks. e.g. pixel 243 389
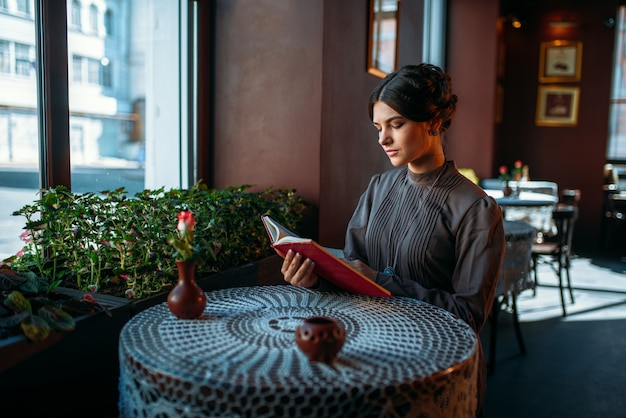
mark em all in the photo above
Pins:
pixel 77 372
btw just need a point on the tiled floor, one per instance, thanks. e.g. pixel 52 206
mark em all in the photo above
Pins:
pixel 573 365
pixel 599 292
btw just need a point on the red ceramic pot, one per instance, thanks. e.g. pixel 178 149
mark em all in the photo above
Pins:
pixel 320 338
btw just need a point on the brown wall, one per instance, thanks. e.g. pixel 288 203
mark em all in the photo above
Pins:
pixel 471 62
pixel 291 92
pixel 268 94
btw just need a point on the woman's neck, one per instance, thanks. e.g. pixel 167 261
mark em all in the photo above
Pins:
pixel 427 163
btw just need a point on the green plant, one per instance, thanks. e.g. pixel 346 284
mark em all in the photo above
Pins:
pixel 111 243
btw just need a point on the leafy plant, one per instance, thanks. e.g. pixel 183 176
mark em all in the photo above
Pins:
pixel 112 243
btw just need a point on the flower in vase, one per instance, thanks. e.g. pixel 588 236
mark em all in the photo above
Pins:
pixel 183 240
pixel 504 173
pixel 517 170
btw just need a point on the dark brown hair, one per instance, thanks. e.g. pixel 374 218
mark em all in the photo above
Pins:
pixel 420 93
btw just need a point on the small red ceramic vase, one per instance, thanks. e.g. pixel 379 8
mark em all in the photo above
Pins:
pixel 507 190
pixel 186 300
pixel 320 338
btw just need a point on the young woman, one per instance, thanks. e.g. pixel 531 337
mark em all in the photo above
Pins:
pixel 421 230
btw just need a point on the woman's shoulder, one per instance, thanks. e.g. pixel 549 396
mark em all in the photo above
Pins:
pixel 466 192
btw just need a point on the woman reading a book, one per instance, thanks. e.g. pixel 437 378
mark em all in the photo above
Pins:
pixel 422 229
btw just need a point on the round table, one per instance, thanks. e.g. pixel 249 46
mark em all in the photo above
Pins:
pixel 534 208
pixel 402 357
pixel 515 271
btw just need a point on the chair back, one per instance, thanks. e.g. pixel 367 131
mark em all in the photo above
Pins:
pixel 570 197
pixel 564 217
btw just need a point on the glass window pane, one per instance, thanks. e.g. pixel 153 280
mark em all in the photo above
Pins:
pixel 616 148
pixel 126 118
pixel 75 21
pixel 19 136
pixel 93 18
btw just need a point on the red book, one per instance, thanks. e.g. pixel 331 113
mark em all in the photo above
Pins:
pixel 328 261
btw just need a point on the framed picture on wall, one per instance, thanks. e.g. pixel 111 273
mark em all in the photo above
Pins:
pixel 382 51
pixel 560 61
pixel 557 105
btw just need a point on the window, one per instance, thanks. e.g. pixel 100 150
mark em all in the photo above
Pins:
pixel 5 57
pixel 77 69
pixel 616 148
pixel 93 18
pixel 23 6
pixel 124 128
pixel 3 5
pixel 106 74
pixel 108 23
pixel 93 71
pixel 75 20
pixel 23 62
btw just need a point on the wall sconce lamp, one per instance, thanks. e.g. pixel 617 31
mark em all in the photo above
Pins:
pixel 514 20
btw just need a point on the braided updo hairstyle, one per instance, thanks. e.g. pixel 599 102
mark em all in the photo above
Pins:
pixel 420 93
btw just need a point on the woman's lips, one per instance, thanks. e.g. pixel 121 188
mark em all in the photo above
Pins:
pixel 391 152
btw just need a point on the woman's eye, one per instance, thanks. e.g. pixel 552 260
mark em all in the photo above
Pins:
pixel 397 126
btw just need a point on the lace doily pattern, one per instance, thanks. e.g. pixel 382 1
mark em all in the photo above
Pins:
pixel 401 357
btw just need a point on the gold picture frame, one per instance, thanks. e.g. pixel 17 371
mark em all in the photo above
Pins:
pixel 382 51
pixel 557 105
pixel 560 61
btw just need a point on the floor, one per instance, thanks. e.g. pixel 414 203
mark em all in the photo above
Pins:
pixel 573 364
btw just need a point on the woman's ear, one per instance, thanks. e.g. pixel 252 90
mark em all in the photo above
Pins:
pixel 435 125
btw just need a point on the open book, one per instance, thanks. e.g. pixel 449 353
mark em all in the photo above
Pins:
pixel 328 261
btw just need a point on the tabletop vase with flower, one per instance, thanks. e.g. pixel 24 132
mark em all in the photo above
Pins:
pixel 186 300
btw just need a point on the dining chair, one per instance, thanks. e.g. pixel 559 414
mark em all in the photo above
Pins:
pixel 557 251
pixel 570 197
pixel 514 278
pixel 503 301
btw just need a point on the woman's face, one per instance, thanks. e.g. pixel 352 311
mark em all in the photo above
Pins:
pixel 405 141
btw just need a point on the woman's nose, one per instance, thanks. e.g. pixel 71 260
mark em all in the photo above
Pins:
pixel 383 137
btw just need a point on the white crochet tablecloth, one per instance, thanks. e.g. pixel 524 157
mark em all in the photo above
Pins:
pixel 515 272
pixel 402 357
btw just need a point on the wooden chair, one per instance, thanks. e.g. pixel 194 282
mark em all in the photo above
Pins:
pixel 570 197
pixel 557 251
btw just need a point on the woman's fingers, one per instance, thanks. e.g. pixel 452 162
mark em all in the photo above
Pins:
pixel 298 270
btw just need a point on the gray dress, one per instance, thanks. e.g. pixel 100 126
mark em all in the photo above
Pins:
pixel 435 236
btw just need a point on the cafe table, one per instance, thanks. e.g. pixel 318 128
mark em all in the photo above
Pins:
pixel 532 207
pixel 401 357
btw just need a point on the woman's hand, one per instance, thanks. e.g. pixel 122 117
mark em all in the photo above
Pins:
pixel 298 270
